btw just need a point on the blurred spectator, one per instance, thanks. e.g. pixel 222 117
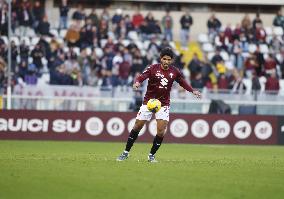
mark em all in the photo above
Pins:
pixel 137 19
pixel 2 73
pixel 4 19
pixel 256 20
pixel 124 72
pixel 237 85
pixel 255 83
pixel 44 26
pixel 270 64
pixel 88 34
pixel 194 66
pixel 223 82
pixel 116 62
pixel 79 15
pixel 260 61
pixel 213 25
pixel 167 24
pixel 217 57
pixel 25 17
pixel 251 65
pixel 260 34
pixel 24 51
pixel 14 54
pixel 246 23
pixel 236 51
pixel 37 55
pixel 63 11
pixel 281 62
pixel 30 77
pixel 105 15
pixel 276 43
pixel 38 14
pixel 94 18
pixel 72 36
pixel 117 17
pixel 279 19
pixel 185 22
pixel 197 81
pixel 272 83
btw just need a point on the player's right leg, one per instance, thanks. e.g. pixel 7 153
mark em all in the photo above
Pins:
pixel 131 139
pixel 143 116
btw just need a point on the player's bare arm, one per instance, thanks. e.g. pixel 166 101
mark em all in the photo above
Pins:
pixel 136 85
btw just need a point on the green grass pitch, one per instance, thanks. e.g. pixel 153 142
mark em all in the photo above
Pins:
pixel 71 170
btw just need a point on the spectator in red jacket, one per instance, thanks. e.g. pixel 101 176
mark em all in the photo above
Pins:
pixel 137 19
pixel 270 64
pixel 272 83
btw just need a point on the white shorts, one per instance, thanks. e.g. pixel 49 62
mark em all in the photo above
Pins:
pixel 145 114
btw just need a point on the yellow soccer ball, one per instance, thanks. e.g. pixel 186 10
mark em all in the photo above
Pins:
pixel 154 105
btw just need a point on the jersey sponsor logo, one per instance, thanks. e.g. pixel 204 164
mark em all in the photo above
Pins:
pixel 171 75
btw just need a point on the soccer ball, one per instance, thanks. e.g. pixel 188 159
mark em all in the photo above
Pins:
pixel 154 105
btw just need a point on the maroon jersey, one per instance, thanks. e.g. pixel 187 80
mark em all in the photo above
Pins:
pixel 160 82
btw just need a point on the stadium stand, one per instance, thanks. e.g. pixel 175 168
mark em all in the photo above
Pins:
pixel 100 48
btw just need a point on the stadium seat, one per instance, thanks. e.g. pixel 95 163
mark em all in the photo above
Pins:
pixel 125 42
pixel 60 40
pixel 268 30
pixel 278 31
pixel 5 39
pixel 103 42
pixel 133 35
pixel 16 40
pixel 210 55
pixel 62 33
pixel 99 52
pixel 224 55
pixel 27 40
pixel 262 81
pixel 252 48
pixel 248 84
pixel 76 50
pixel 34 41
pixel 30 33
pixel 146 44
pixel 54 32
pixel 281 84
pixel 89 51
pixel 229 65
pixel 207 47
pixel 139 44
pixel 279 57
pixel 203 38
pixel 66 49
pixel 264 48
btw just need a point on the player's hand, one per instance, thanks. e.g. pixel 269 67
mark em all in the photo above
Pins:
pixel 197 94
pixel 136 85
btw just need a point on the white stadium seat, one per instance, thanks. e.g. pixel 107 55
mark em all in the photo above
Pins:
pixel 203 38
pixel 207 47
pixel 268 30
pixel 224 55
pixel 62 33
pixel 16 40
pixel 99 52
pixel 34 41
pixel 278 31
pixel 133 35
pixel 252 48
pixel 5 39
pixel 54 32
pixel 264 48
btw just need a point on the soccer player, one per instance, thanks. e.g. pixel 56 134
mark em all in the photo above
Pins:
pixel 161 77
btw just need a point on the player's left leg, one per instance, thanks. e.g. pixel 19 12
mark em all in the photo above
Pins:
pixel 161 130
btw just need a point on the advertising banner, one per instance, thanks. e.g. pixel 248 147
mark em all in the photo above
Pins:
pixel 115 126
pixel 281 130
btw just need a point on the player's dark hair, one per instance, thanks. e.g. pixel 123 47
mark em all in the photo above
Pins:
pixel 168 52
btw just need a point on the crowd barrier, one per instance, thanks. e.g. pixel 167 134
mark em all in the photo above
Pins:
pixel 115 126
